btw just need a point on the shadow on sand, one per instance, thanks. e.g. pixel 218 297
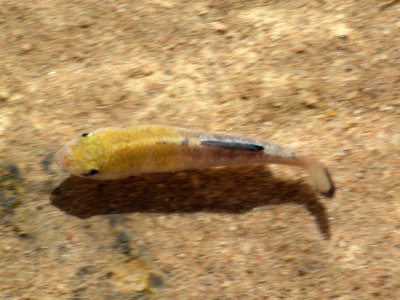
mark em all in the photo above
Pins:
pixel 230 190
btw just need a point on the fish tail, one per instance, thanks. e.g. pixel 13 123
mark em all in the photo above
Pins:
pixel 251 151
pixel 319 174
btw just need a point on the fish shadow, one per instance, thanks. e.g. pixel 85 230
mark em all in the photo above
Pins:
pixel 231 190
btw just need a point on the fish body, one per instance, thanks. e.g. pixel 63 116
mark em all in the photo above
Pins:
pixel 115 153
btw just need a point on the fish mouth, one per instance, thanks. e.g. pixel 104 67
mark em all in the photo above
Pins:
pixel 61 158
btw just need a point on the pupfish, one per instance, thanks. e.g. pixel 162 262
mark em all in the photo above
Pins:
pixel 116 153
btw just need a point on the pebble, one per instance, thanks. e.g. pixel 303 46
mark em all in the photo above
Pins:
pixel 233 228
pixel 330 113
pixel 359 175
pixel 386 108
pixel 141 71
pixel 220 27
pixel 27 47
pixel 311 102
pixel 340 30
pixel 4 94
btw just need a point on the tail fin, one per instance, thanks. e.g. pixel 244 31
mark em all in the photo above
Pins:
pixel 319 175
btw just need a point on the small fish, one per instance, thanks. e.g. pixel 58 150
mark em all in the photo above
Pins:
pixel 115 153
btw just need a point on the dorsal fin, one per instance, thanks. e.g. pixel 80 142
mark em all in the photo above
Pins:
pixel 231 145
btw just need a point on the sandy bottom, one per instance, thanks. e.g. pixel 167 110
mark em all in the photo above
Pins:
pixel 320 78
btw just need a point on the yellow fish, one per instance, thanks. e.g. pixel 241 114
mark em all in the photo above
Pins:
pixel 115 153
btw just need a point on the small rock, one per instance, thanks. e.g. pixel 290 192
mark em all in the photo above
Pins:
pixel 141 71
pixel 277 104
pixel 27 47
pixel 330 113
pixel 386 108
pixel 202 12
pixel 220 27
pixel 340 31
pixel 299 49
pixel 309 99
pixel 288 258
pixel 4 94
pixel 359 175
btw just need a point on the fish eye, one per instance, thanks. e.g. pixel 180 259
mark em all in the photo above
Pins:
pixel 84 134
pixel 91 172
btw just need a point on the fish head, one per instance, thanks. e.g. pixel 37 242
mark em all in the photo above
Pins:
pixel 81 156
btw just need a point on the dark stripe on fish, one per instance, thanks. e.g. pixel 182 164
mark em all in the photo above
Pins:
pixel 232 145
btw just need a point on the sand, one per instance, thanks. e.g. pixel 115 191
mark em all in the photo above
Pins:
pixel 320 77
